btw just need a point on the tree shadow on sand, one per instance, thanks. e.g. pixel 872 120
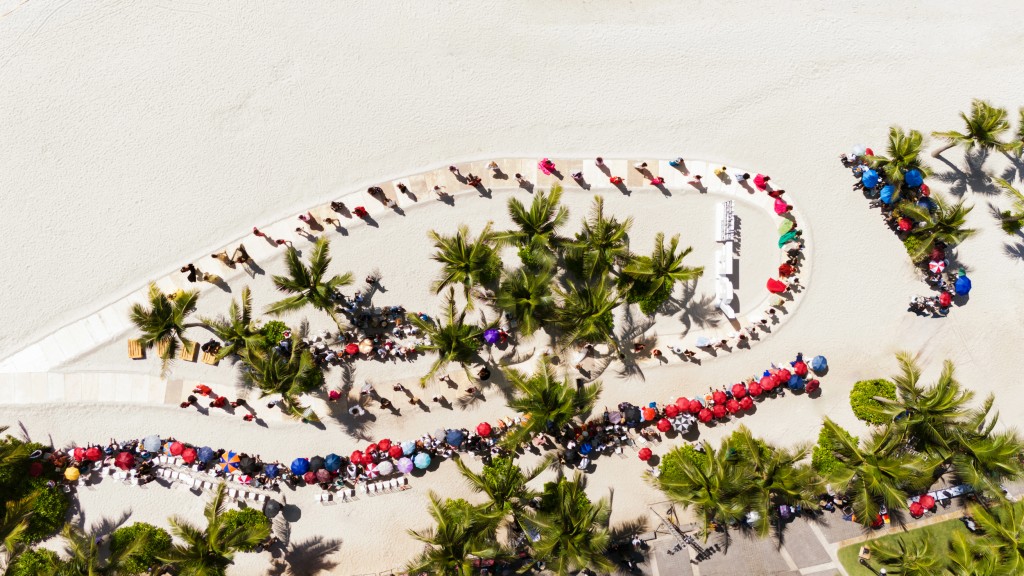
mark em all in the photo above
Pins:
pixel 971 175
pixel 693 310
pixel 304 558
pixel 634 325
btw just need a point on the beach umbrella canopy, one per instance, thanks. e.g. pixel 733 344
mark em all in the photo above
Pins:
pixel 671 410
pixel 786 270
pixel 795 382
pixel 916 510
pixel 645 454
pixel 316 463
pixel 79 454
pixel 228 462
pixel 754 389
pixel 248 465
pixel 270 470
pixel 483 429
pixel 271 507
pixel 384 444
pixel 962 285
pixel 775 287
pixel 366 346
pixel 356 457
pixel 913 178
pixel 395 451
pixel 72 473
pixel 812 385
pixel 759 182
pixel 124 460
pixel 694 406
pixel 322 475
pixel 819 364
pixel 408 448
pixel 405 465
pixel 704 415
pixel 905 224
pixel 571 457
pixel 787 238
pixel 780 206
pixel 785 225
pixel 385 468
pixel 206 454
pixel 739 390
pixel 176 448
pixel 719 397
pixel 648 413
pixel 332 462
pixel 299 466
pixel 768 383
pixel 586 448
pixel 858 150
pixel 151 443
pixel 869 179
pixel 370 449
pixel 683 403
pixel 188 455
pixel 927 501
pixel 878 521
pixel 732 406
pixel 783 375
pixel 664 425
pixel 490 336
pixel 887 193
pixel 936 266
pixel 422 460
pixel 800 368
pixel 94 454
pixel 351 349
pixel 718 411
pixel 945 299
pixel 454 438
pixel 746 403
pixel 35 469
pixel 309 477
pixel 632 414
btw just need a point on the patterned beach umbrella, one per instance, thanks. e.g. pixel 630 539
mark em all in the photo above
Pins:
pixel 228 462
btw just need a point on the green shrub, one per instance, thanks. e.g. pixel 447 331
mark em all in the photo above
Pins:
pixel 913 243
pixel 273 332
pixel 34 563
pixel 1009 224
pixel 823 458
pixel 671 462
pixel 158 544
pixel 48 513
pixel 862 400
pixel 234 519
pixel 639 292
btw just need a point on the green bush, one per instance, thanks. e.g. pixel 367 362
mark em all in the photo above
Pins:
pixel 823 458
pixel 670 463
pixel 862 400
pixel 639 292
pixel 234 519
pixel 48 513
pixel 158 544
pixel 273 332
pixel 913 243
pixel 34 563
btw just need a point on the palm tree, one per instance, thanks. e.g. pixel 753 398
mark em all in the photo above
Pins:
pixel 904 154
pixel 239 331
pixel 209 551
pixel 526 296
pixel 602 244
pixel 1012 220
pixel 163 322
pixel 984 127
pixel 574 532
pixel 1017 145
pixel 711 483
pixel 454 339
pixel 13 525
pixel 901 559
pixel 466 261
pixel 289 375
pixel 13 453
pixel 966 558
pixel 549 401
pixel 1002 529
pixel 946 225
pixel 876 474
pixel 308 285
pixel 656 275
pixel 773 476
pixel 463 533
pixel 84 557
pixel 504 483
pixel 585 312
pixel 536 227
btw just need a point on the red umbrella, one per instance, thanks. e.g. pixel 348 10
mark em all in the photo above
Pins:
pixel 368 457
pixel 309 477
pixel 79 454
pixel 322 475
pixel 812 385
pixel 877 522
pixel 759 182
pixel 718 411
pixel 739 391
pixel 869 152
pixel 754 389
pixel 781 207
pixel 356 457
pixel 188 455
pixel 747 403
pixel 648 413
pixel 176 448
pixel 124 460
pixel 483 429
pixel 945 299
pixel 395 451
pixel 93 454
pixel 719 397
pixel 733 406
pixel 695 407
pixel 925 190
pixel 905 224
pixel 384 444
pixel 786 270
pixel 35 469
pixel 800 368
pixel 916 510
pixel 352 349
pixel 938 254
pixel 664 425
pixel 671 410
pixel 776 287
pixel 645 454
pixel 767 383
pixel 372 448
pixel 683 403
pixel 783 376
pixel 927 502
pixel 704 416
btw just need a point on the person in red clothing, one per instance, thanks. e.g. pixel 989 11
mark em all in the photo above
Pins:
pixel 249 417
pixel 615 180
pixel 203 390
pixel 219 402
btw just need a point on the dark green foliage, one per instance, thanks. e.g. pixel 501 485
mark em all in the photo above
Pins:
pixel 34 562
pixel 671 462
pixel 273 332
pixel 49 512
pixel 913 246
pixel 649 301
pixel 823 458
pixel 158 543
pixel 862 400
pixel 234 519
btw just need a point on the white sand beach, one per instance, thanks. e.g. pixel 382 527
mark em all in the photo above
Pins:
pixel 138 138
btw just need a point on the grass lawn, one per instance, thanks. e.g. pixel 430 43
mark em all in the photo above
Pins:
pixel 937 536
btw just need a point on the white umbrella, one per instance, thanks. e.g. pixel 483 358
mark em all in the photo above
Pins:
pixel 385 468
pixel 703 341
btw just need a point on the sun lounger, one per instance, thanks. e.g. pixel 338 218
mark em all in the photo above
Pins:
pixel 233 493
pixel 210 358
pixel 161 348
pixel 135 350
pixel 261 498
pixel 188 352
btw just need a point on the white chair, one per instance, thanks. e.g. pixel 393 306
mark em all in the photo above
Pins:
pixel 261 498
pixel 405 480
pixel 233 493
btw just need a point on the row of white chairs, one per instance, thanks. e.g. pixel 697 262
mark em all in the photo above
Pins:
pixel 384 486
pixel 246 495
pixel 345 495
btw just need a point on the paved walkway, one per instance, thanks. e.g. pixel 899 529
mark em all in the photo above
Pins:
pixel 28 375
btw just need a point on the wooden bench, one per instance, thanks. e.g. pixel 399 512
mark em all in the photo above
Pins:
pixel 135 350
pixel 161 348
pixel 210 358
pixel 188 352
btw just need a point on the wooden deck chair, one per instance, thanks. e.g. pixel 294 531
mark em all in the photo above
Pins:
pixel 188 352
pixel 161 348
pixel 210 358
pixel 135 350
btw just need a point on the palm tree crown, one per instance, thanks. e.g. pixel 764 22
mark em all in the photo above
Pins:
pixel 602 244
pixel 526 296
pixel 899 558
pixel 904 155
pixel 708 482
pixel 309 285
pixel 163 322
pixel 573 530
pixel 549 401
pixel 462 532
pixel 984 127
pixel 453 338
pixel 656 275
pixel 291 375
pixel 239 331
pixel 466 261
pixel 84 557
pixel 1011 220
pixel 585 312
pixel 537 227
pixel 946 225
pixel 505 485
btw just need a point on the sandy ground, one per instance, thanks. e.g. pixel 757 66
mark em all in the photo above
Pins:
pixel 139 137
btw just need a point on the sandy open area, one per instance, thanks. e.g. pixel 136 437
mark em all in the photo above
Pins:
pixel 137 138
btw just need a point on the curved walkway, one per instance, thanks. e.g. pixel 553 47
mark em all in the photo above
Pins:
pixel 25 376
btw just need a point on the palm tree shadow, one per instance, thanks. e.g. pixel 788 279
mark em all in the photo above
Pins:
pixel 700 311
pixel 632 330
pixel 1014 250
pixel 971 175
pixel 356 426
pixel 104 525
pixel 310 556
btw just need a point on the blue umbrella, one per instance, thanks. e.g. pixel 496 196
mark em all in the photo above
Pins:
pixel 206 454
pixel 332 462
pixel 796 382
pixel 455 438
pixel 927 204
pixel 819 364
pixel 408 448
pixel 422 460
pixel 151 443
pixel 962 285
pixel 586 448
pixel 270 470
pixel 491 336
pixel 869 179
pixel 299 466
pixel 913 178
pixel 887 193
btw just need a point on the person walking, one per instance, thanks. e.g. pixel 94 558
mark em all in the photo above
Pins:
pixel 223 257
pixel 599 161
pixel 192 272
pixel 338 207
pixel 257 232
pixel 243 255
